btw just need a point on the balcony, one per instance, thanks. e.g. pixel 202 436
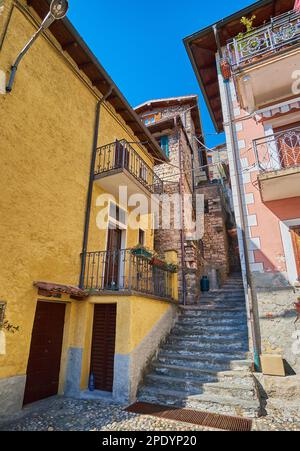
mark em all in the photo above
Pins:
pixel 124 272
pixel 118 164
pixel 278 160
pixel 269 53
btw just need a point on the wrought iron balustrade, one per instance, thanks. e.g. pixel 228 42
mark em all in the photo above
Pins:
pixel 278 151
pixel 123 271
pixel 282 31
pixel 120 155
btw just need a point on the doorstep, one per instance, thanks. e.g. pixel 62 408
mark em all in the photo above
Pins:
pixel 96 395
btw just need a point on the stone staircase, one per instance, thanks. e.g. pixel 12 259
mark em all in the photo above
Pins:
pixel 203 364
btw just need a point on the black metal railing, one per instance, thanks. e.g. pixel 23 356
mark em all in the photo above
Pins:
pixel 278 151
pixel 123 271
pixel 283 31
pixel 121 155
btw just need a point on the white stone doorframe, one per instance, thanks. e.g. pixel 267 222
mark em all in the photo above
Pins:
pixel 289 249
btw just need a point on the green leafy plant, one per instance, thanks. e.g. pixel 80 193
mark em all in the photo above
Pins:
pixel 248 24
pixel 172 268
pixel 142 251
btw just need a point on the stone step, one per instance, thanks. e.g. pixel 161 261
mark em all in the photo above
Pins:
pixel 212 362
pixel 201 329
pixel 202 375
pixel 195 315
pixel 188 342
pixel 192 324
pixel 204 402
pixel 227 299
pixel 215 308
pixel 225 293
pixel 213 346
pixel 203 363
pixel 226 296
pixel 221 307
pixel 220 329
pixel 233 288
pixel 221 300
pixel 193 386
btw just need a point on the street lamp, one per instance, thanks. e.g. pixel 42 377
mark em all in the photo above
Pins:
pixel 58 10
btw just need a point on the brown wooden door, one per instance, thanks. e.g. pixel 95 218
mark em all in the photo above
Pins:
pixel 296 243
pixel 113 258
pixel 103 346
pixel 45 352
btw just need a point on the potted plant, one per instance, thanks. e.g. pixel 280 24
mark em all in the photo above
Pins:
pixel 248 23
pixel 158 262
pixel 171 267
pixel 142 251
pixel 254 44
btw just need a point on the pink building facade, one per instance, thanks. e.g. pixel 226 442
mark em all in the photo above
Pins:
pixel 251 83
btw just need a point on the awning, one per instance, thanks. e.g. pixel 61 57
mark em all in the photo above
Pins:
pixel 49 289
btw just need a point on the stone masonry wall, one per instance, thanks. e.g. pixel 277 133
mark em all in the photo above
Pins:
pixel 166 240
pixel 277 315
pixel 215 240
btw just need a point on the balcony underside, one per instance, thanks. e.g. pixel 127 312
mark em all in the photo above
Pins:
pixel 131 293
pixel 278 185
pixel 267 80
pixel 111 181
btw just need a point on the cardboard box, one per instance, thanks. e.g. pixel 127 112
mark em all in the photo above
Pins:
pixel 272 365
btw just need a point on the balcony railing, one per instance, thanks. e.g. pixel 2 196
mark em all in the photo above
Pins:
pixel 282 31
pixel 120 155
pixel 124 272
pixel 278 151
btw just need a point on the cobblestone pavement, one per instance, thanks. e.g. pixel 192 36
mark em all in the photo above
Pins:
pixel 60 414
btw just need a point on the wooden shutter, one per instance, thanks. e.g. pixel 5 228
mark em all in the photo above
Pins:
pixel 103 346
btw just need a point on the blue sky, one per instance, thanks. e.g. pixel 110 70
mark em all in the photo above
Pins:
pixel 140 44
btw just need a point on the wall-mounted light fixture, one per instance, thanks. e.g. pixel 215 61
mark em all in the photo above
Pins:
pixel 58 10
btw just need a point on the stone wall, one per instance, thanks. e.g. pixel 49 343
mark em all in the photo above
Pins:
pixel 277 316
pixel 171 239
pixel 215 240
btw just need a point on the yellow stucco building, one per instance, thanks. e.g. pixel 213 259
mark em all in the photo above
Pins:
pixel 84 299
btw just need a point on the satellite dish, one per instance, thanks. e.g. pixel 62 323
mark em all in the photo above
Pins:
pixel 59 9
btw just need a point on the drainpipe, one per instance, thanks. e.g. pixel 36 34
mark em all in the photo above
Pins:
pixel 90 189
pixel 182 213
pixel 236 156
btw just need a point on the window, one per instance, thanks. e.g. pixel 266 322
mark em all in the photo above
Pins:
pixel 2 312
pixel 164 144
pixel 141 237
pixel 149 120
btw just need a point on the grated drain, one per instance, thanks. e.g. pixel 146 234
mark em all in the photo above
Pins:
pixel 215 421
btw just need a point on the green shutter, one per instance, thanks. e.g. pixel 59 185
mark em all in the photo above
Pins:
pixel 164 144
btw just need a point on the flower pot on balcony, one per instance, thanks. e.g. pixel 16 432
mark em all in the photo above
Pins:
pixel 141 252
pixel 172 268
pixel 158 262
